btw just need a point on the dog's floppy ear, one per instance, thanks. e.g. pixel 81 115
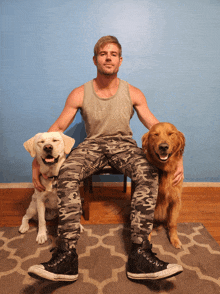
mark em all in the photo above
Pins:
pixel 68 143
pixel 145 140
pixel 29 146
pixel 182 141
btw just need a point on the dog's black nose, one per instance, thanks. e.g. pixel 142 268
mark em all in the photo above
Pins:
pixel 163 146
pixel 48 148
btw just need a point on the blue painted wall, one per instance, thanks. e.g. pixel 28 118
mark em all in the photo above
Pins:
pixel 171 51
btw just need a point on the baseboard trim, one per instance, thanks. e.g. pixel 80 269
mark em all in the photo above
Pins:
pixel 201 184
pixel 107 184
pixel 16 185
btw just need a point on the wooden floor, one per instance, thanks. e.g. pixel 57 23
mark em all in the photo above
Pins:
pixel 110 205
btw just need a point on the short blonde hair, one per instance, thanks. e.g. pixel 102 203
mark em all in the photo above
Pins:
pixel 106 40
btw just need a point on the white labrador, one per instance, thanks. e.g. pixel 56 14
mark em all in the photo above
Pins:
pixel 49 149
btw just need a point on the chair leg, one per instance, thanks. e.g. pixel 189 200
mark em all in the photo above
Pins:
pixel 90 184
pixel 132 188
pixel 125 184
pixel 86 192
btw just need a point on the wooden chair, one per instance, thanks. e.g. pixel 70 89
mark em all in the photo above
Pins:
pixel 88 189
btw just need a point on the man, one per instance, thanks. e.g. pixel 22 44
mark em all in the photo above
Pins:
pixel 106 105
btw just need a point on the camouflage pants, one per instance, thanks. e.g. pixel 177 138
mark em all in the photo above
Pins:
pixel 89 157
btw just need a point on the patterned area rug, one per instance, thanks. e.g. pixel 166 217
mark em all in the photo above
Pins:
pixel 103 251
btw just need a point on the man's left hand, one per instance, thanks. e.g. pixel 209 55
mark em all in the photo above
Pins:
pixel 179 174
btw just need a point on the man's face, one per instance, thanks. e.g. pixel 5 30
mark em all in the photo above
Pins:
pixel 108 60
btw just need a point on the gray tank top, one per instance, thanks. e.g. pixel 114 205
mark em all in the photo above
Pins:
pixel 107 116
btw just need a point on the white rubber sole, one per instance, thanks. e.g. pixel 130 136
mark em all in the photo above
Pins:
pixel 38 271
pixel 173 269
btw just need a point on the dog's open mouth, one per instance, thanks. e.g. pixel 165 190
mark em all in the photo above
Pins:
pixel 49 160
pixel 163 157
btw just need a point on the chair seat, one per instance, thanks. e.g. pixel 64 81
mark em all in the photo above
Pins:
pixel 108 169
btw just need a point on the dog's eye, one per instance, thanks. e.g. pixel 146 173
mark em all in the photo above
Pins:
pixel 54 140
pixel 156 135
pixel 41 142
pixel 170 134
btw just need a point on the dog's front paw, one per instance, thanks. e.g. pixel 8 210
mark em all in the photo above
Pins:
pixel 176 242
pixel 41 238
pixel 149 237
pixel 24 228
pixel 81 229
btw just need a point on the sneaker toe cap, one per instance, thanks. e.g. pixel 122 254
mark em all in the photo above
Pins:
pixel 36 269
pixel 175 267
pixel 37 266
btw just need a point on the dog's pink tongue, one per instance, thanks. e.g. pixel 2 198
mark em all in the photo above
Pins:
pixel 49 159
pixel 163 157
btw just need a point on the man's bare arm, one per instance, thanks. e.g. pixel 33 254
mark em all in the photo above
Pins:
pixel 140 104
pixel 148 120
pixel 73 103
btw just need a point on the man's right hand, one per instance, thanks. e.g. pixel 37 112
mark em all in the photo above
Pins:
pixel 36 176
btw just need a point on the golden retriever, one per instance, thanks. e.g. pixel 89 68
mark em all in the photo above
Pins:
pixel 49 149
pixel 164 146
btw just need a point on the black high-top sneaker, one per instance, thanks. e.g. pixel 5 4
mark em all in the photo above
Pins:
pixel 144 265
pixel 63 266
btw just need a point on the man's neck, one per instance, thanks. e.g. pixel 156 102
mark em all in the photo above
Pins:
pixel 106 81
pixel 106 86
